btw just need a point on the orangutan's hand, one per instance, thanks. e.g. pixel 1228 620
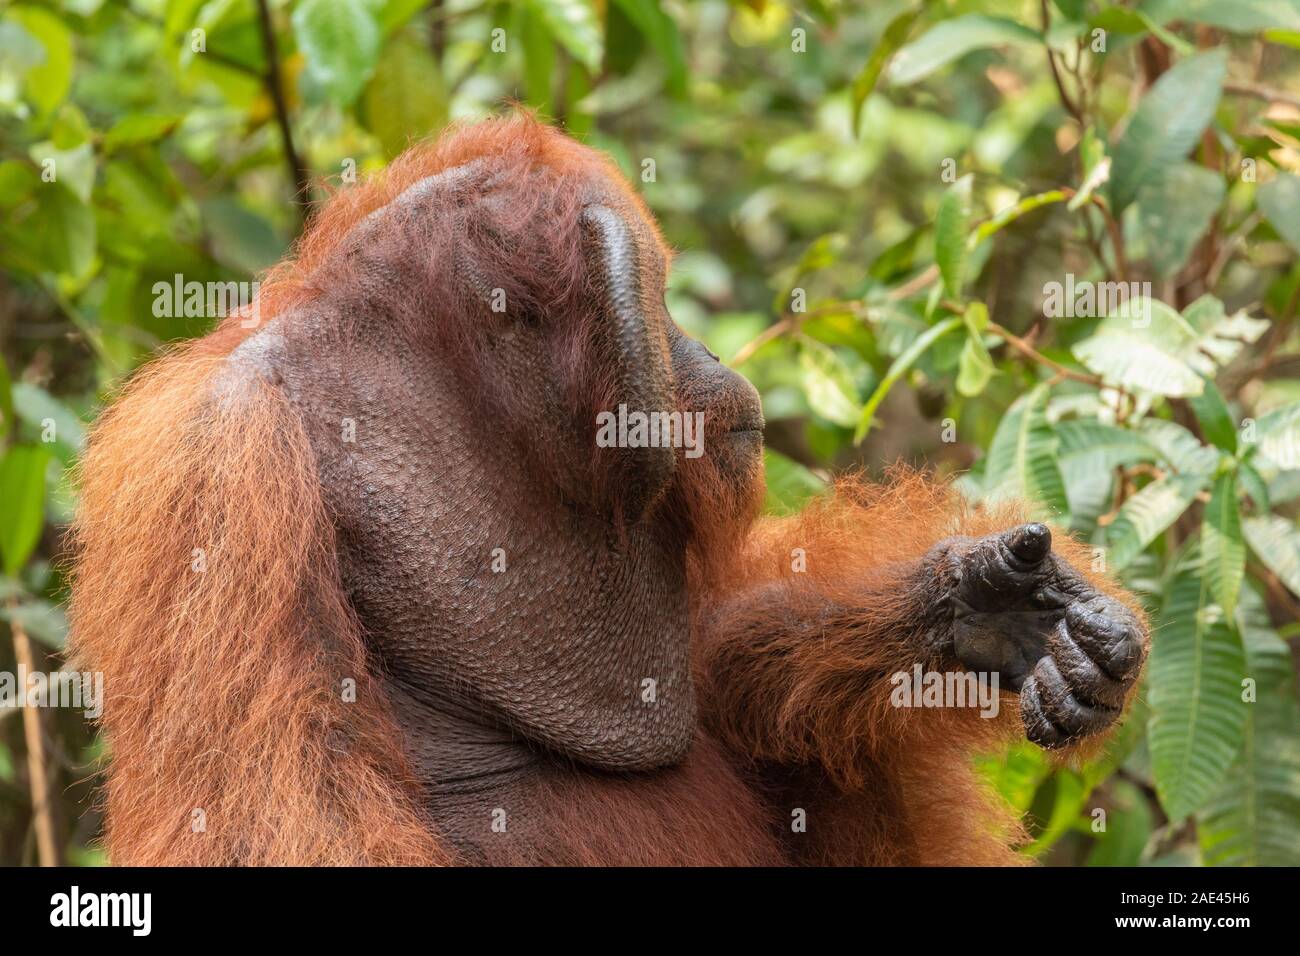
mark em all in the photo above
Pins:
pixel 1020 610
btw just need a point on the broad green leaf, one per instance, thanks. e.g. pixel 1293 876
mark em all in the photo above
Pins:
pixel 660 30
pixel 829 383
pixel 1146 515
pixel 54 234
pixel 1167 123
pixel 950 227
pixel 1140 345
pixel 406 98
pixel 74 168
pixel 48 420
pixel 789 484
pixel 1128 828
pixel 1276 542
pixel 22 489
pixel 1254 485
pixel 975 367
pixel 897 369
pixel 1174 210
pixel 1238 16
pixel 136 128
pixel 1194 687
pixel 576 25
pixel 1279 201
pixel 1254 818
pixel 42 620
pixel 1222 546
pixel 1214 417
pixel 890 40
pixel 1221 337
pixel 1278 434
pixel 952 39
pixel 340 41
pixel 1179 448
pixel 1145 345
pixel 1100 448
pixel 1089 451
pixel 1022 457
pixel 46 84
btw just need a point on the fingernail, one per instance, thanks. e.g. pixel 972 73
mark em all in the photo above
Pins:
pixel 1031 542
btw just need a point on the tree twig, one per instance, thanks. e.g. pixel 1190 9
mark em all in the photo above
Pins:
pixel 1029 352
pixel 40 776
pixel 1261 92
pixel 1066 99
pixel 299 174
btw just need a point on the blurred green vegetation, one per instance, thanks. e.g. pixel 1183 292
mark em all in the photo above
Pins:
pixel 871 203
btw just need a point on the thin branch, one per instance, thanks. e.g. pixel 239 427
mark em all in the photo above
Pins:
pixel 1029 352
pixel 1261 92
pixel 1066 100
pixel 298 173
pixel 40 777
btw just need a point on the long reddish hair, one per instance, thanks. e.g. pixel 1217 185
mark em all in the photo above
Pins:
pixel 206 589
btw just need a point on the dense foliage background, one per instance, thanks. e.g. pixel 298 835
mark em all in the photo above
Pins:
pixel 871 202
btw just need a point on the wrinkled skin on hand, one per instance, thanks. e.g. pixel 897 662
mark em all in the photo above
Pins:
pixel 1020 610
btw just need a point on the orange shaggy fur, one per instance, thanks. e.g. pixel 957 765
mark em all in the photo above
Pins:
pixel 207 591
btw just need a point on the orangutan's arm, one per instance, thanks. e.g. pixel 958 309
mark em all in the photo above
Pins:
pixel 797 667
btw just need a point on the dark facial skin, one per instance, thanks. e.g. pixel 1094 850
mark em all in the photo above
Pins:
pixel 499 659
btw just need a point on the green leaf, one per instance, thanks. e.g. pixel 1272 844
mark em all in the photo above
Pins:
pixel 896 371
pixel 1141 344
pixel 1146 515
pixel 665 39
pixel 1254 818
pixel 48 419
pixel 137 128
pixel 22 489
pixel 1238 16
pixel 1278 434
pixel 1179 448
pixel 1167 123
pixel 47 84
pixel 1097 164
pixel 975 367
pixel 1222 546
pixel 950 227
pixel 952 39
pixel 340 41
pixel 42 620
pixel 1276 542
pixel 406 98
pixel 1128 827
pixel 1254 485
pixel 1145 345
pixel 576 26
pixel 828 383
pixel 789 484
pixel 1279 201
pixel 1174 210
pixel 1013 212
pixel 1194 687
pixel 1022 457
pixel 1214 417
pixel 1100 448
pixel 892 38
